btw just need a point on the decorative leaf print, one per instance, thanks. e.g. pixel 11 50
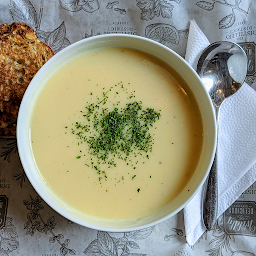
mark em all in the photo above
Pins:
pixel 27 224
pixel 145 4
pixel 32 215
pixel 106 244
pixel 93 249
pixel 35 223
pixel 42 229
pixel 91 6
pixel 9 150
pixel 42 35
pixel 205 5
pixel 147 9
pixel 166 12
pixel 51 223
pixel 147 14
pixel 152 8
pixel 164 9
pixel 23 11
pixel 133 245
pixel 56 37
pixel 227 21
pixel 121 242
pixel 27 204
pixel 221 239
pixel 71 5
pixel 77 5
pixel 140 234
pixel 20 176
pixel 30 227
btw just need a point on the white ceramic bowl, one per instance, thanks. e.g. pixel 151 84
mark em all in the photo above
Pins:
pixel 161 52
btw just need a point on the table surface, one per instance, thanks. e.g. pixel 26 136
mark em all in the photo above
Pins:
pixel 28 226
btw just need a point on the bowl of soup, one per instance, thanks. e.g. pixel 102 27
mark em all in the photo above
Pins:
pixel 116 132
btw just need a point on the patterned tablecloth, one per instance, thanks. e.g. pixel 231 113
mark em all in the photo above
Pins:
pixel 28 226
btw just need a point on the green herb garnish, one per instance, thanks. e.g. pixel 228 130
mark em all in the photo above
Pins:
pixel 117 133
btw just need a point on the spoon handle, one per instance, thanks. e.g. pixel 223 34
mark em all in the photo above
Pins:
pixel 210 204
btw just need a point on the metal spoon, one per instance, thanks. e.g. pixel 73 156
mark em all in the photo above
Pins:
pixel 222 68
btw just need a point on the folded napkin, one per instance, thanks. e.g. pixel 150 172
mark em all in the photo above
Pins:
pixel 236 145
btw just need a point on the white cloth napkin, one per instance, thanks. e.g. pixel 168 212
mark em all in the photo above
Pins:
pixel 236 145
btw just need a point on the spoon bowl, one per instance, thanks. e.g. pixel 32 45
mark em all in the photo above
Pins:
pixel 222 68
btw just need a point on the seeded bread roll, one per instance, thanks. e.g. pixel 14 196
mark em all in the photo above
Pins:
pixel 21 56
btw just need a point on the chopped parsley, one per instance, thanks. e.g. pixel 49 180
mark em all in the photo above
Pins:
pixel 116 133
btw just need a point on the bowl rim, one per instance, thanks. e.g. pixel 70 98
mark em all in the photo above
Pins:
pixel 27 158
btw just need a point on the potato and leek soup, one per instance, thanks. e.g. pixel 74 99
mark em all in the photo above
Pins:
pixel 116 133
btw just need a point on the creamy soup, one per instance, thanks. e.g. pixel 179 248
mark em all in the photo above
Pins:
pixel 116 133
